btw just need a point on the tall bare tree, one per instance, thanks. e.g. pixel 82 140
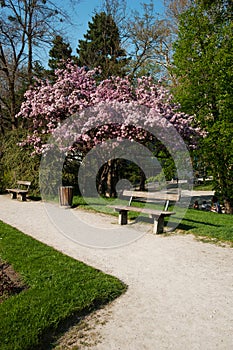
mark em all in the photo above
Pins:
pixel 117 9
pixel 173 10
pixel 24 25
pixel 145 33
pixel 147 36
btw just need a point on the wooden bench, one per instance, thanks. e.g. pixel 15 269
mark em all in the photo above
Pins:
pixel 21 190
pixel 157 215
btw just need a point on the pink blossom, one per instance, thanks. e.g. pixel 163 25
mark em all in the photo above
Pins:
pixel 48 105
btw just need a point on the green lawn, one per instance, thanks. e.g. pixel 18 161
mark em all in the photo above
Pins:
pixel 95 204
pixel 60 289
pixel 208 186
pixel 212 225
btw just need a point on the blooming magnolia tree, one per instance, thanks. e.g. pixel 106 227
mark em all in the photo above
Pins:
pixel 116 109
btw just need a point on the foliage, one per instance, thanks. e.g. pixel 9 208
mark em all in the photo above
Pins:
pixel 61 51
pixel 220 138
pixel 59 289
pixel 17 163
pixel 203 61
pixel 102 47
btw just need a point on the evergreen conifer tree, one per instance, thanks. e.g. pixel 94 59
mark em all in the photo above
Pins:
pixel 60 51
pixel 101 47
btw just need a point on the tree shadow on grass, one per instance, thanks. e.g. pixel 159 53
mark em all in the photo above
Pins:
pixel 167 228
pixel 186 224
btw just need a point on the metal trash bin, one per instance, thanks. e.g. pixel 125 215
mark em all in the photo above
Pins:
pixel 66 196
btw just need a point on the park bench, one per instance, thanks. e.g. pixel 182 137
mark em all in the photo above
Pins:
pixel 157 215
pixel 21 190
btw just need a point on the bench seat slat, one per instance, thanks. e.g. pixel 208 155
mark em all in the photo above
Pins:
pixel 26 183
pixel 152 195
pixel 142 210
pixel 17 190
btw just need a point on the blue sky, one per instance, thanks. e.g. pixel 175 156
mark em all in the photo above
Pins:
pixel 84 11
pixel 80 15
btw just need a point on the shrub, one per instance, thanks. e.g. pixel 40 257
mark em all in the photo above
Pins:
pixel 17 163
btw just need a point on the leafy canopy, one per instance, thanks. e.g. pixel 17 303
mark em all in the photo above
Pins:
pixel 203 60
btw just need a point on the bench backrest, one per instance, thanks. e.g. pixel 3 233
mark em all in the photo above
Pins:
pixel 24 184
pixel 153 196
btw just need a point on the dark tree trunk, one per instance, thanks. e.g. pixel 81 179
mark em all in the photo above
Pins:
pixel 102 179
pixel 142 181
pixel 14 121
pixel 112 178
pixel 228 206
pixel 108 179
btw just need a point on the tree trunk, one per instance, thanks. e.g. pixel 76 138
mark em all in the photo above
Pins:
pixel 14 121
pixel 112 178
pixel 108 179
pixel 30 56
pixel 102 179
pixel 142 181
pixel 228 206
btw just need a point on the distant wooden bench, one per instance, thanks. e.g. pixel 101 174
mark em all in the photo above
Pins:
pixel 21 191
pixel 157 215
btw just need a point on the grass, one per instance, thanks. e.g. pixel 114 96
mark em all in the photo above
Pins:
pixel 208 186
pixel 201 223
pixel 60 291
pixel 216 227
pixel 95 204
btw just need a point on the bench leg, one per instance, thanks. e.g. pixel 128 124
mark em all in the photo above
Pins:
pixel 22 197
pixel 13 195
pixel 123 217
pixel 158 224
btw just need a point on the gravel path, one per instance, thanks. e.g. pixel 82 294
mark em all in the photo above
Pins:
pixel 180 293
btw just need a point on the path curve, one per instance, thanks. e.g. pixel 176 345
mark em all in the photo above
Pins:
pixel 180 293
